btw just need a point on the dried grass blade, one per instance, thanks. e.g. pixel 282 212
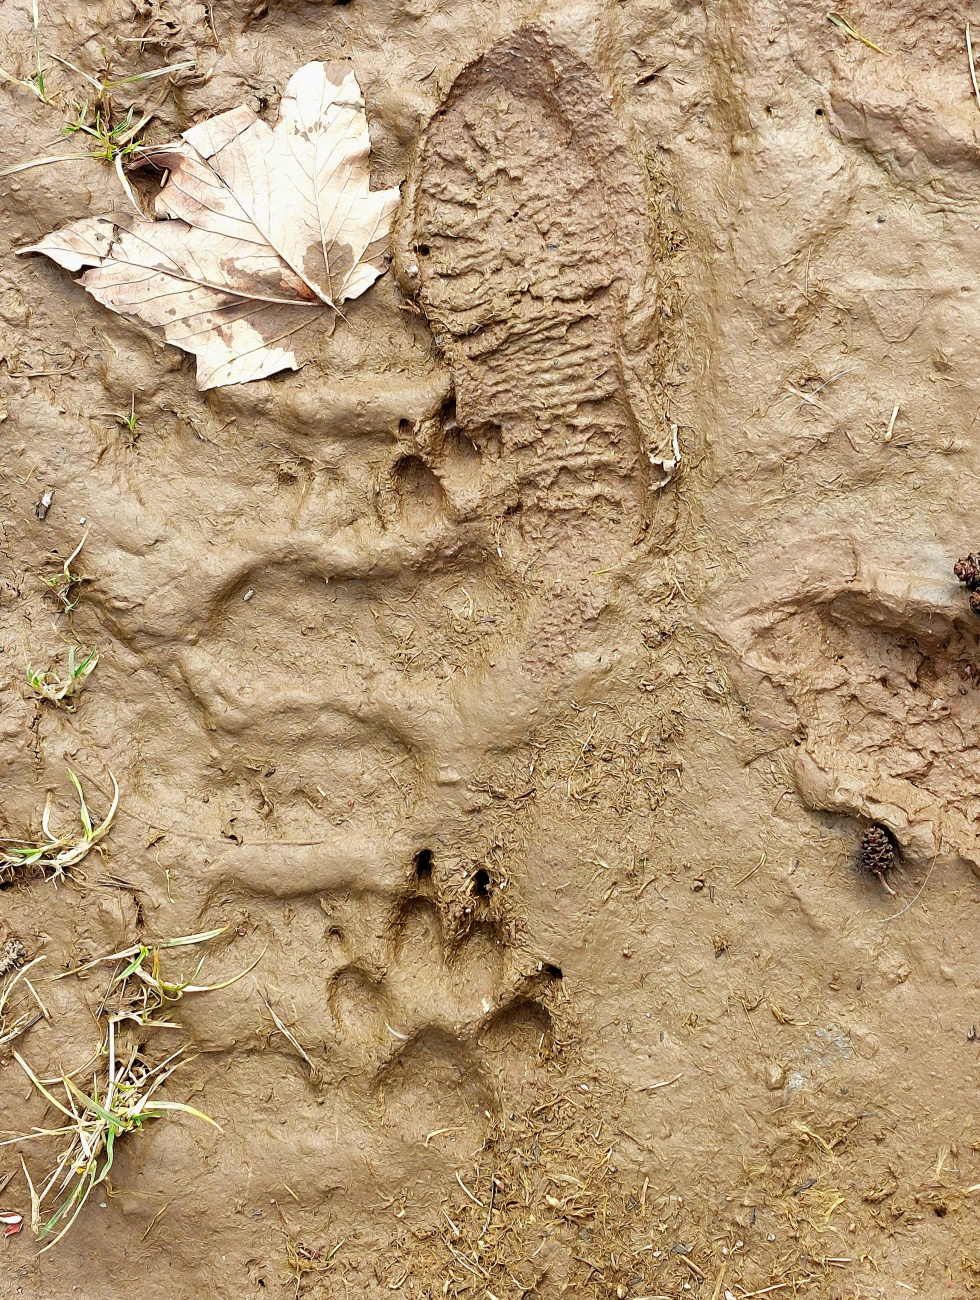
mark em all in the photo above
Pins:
pixel 44 162
pixel 40 1086
pixel 852 32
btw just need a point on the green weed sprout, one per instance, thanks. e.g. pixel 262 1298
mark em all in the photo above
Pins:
pixel 111 141
pixel 50 685
pixel 65 584
pixel 54 855
pixel 143 992
pixel 35 82
pixel 129 422
pixel 114 140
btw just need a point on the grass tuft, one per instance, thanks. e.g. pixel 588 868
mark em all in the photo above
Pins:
pixel 96 1120
pixel 114 138
pixel 305 1262
pixel 124 1093
pixel 65 583
pixel 54 855
pixel 51 685
pixel 142 991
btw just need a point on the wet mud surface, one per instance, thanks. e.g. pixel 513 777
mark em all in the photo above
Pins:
pixel 515 682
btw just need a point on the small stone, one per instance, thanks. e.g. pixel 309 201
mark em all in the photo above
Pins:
pixel 775 1076
pixel 897 972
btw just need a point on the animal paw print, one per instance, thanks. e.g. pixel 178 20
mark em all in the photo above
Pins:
pixel 440 1030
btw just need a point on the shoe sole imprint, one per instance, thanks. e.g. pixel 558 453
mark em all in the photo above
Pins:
pixel 522 237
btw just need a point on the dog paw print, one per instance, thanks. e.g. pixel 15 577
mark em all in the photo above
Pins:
pixel 438 1029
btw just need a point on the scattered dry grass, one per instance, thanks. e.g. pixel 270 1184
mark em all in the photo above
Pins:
pixel 16 1017
pixel 307 1264
pixel 605 755
pixel 544 1208
pixel 552 1206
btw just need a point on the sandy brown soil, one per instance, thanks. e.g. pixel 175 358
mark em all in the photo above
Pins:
pixel 534 781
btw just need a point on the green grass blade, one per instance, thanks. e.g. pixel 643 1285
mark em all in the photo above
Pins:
pixel 82 805
pixel 115 1122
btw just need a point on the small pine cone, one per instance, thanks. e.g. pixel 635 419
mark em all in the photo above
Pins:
pixel 877 853
pixel 968 571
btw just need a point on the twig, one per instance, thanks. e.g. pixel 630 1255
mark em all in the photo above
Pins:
pixel 43 162
pixel 780 1286
pixel 493 1188
pixel 469 1193
pixel 693 1267
pixel 840 375
pixel 473 1268
pixel 291 1038
pixel 891 424
pixel 454 1128
pixel 665 1083
pixel 751 873
pixel 35 995
pixel 156 1219
pixel 973 68
pixel 895 915
pixel 35 1200
pixel 806 397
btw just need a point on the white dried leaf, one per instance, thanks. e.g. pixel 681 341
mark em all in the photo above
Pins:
pixel 259 230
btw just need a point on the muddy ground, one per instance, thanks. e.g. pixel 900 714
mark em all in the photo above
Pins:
pixel 530 767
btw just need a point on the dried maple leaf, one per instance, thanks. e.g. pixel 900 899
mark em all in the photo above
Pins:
pixel 260 230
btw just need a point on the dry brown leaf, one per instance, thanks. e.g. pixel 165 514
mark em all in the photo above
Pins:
pixel 259 230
